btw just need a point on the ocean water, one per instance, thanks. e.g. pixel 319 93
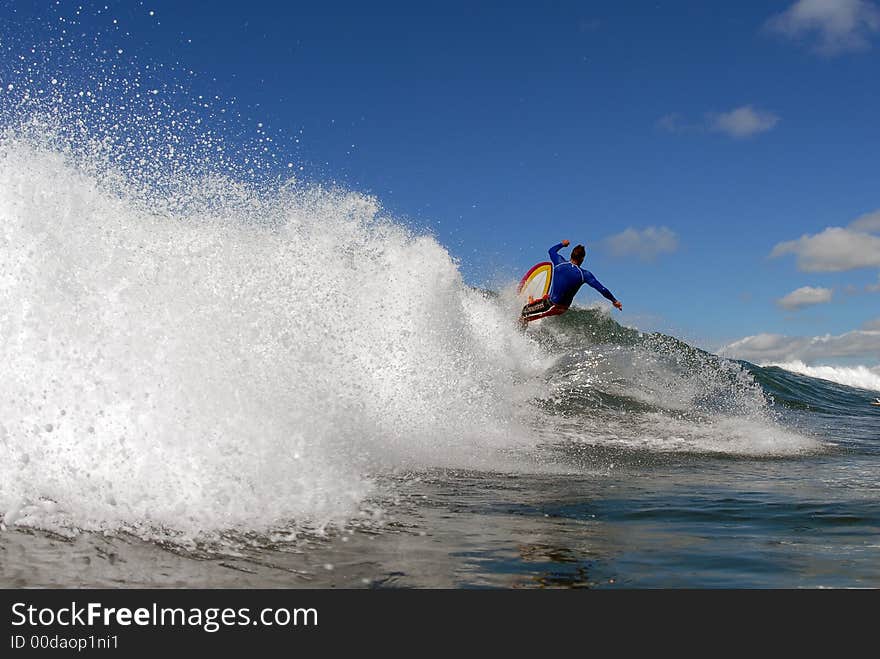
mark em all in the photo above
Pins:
pixel 214 376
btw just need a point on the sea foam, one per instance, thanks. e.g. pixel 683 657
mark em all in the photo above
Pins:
pixel 863 377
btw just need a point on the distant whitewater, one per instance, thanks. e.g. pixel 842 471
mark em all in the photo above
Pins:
pixel 862 377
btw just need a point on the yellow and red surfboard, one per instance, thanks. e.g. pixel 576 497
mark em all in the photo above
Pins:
pixel 535 284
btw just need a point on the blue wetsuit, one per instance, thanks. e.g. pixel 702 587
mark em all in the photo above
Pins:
pixel 568 278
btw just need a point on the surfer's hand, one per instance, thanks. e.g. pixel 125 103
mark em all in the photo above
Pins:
pixel 617 304
pixel 565 243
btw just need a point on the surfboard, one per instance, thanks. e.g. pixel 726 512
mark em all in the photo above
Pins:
pixel 535 283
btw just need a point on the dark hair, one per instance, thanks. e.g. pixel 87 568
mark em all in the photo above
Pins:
pixel 578 253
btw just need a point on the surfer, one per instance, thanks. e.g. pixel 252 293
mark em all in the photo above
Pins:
pixel 568 277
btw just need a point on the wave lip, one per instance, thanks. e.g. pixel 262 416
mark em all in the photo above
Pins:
pixel 248 363
pixel 863 377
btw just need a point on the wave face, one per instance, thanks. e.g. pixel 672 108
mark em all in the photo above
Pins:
pixel 622 388
pixel 861 377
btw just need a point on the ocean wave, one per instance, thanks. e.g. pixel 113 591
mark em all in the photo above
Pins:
pixel 252 359
pixel 227 368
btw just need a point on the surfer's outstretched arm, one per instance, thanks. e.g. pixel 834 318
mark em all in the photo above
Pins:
pixel 592 281
pixel 554 252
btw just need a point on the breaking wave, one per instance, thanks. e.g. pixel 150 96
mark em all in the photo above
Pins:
pixel 862 377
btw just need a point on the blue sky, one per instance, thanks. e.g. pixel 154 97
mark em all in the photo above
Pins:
pixel 721 129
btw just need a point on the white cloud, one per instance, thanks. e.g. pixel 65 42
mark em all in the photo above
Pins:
pixel 872 324
pixel 646 243
pixel 742 122
pixel 837 248
pixel 805 296
pixel 869 222
pixel 767 348
pixel 834 250
pixel 737 123
pixel 838 26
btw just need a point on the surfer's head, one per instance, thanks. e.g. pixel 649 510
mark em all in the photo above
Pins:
pixel 578 254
